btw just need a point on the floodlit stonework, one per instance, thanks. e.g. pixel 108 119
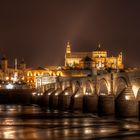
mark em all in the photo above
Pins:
pixel 95 59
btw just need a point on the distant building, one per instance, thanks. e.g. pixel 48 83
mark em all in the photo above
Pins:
pixel 96 59
pixel 11 73
pixel 77 64
pixel 41 74
pixel 32 74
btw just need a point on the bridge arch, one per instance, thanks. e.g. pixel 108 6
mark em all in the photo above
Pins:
pixel 120 84
pixel 103 87
pixel 75 86
pixel 135 82
pixel 58 85
pixel 89 88
pixel 67 84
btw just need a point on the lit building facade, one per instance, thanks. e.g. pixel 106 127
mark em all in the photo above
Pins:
pixel 96 59
pixel 8 73
pixel 37 73
pixel 40 75
pixel 77 64
pixel 32 74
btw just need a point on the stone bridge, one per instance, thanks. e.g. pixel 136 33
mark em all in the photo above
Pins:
pixel 105 84
pixel 105 93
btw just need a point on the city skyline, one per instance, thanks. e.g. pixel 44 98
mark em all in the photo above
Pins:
pixel 38 31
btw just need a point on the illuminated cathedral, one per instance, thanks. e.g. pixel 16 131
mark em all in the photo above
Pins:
pixel 96 59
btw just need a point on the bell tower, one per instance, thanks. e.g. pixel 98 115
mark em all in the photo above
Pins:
pixel 68 48
pixel 67 53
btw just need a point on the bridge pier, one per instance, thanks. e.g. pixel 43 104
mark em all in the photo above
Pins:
pixel 91 103
pixel 64 99
pixel 53 101
pixel 77 100
pixel 106 105
pixel 126 105
pixel 46 97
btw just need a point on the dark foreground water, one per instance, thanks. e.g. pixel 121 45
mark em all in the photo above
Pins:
pixel 31 122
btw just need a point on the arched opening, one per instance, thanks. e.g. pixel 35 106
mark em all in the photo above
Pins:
pixel 75 86
pixel 103 87
pixel 89 88
pixel 120 85
pixel 136 87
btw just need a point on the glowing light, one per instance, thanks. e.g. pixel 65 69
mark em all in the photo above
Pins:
pixel 12 78
pixel 9 86
pixel 15 78
pixel 84 90
pixel 102 94
pixel 130 126
pixel 86 93
pixel 33 93
pixel 9 134
pixel 88 131
pixel 76 96
pixel 127 97
pixel 66 93
pixel 7 78
pixel 109 88
pixel 56 94
pixel 135 90
pixel 49 94
pixel 103 130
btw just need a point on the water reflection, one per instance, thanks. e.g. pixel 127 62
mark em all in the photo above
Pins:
pixel 31 122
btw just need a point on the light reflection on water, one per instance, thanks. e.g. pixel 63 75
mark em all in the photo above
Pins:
pixel 31 122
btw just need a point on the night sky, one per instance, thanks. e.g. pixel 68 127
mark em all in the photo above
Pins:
pixel 38 30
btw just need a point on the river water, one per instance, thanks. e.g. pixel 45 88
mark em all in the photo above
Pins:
pixel 34 123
